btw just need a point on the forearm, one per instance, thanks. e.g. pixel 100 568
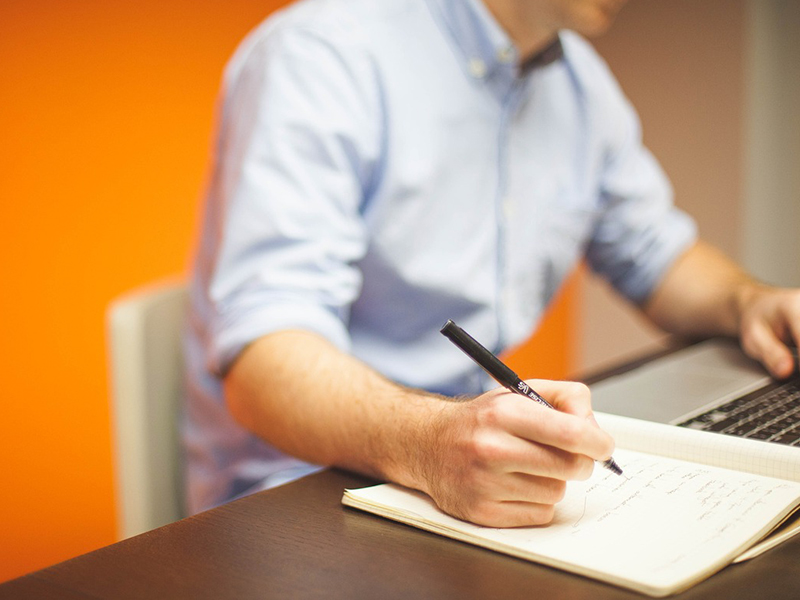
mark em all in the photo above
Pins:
pixel 703 294
pixel 706 294
pixel 498 459
pixel 304 396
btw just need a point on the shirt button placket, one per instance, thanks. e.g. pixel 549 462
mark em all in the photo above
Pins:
pixel 506 214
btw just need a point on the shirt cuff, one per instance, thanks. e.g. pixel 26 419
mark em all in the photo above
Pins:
pixel 240 328
pixel 674 240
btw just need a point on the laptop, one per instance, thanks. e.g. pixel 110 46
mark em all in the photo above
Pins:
pixel 711 386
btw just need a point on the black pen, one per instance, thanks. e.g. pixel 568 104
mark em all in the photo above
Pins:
pixel 501 373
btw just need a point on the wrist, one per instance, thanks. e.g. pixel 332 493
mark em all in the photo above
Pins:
pixel 419 435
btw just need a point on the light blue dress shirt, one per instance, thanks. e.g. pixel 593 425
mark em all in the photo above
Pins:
pixel 383 166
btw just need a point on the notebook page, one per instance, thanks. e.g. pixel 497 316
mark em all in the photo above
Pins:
pixel 664 527
pixel 788 529
pixel 741 454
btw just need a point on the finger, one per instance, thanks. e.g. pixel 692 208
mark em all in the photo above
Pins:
pixel 498 453
pixel 566 432
pixel 524 487
pixel 530 463
pixel 566 396
pixel 509 514
pixel 761 343
pixel 520 514
pixel 574 398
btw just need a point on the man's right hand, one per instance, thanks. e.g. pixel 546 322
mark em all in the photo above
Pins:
pixel 499 459
pixel 502 460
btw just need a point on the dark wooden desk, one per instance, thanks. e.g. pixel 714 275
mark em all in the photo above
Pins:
pixel 297 541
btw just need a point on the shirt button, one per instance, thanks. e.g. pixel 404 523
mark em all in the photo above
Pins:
pixel 477 68
pixel 506 55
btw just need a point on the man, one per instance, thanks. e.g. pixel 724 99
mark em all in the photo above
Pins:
pixel 385 166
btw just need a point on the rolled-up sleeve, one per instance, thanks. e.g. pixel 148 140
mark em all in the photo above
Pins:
pixel 640 233
pixel 297 151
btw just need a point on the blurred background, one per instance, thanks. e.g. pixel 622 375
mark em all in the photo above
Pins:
pixel 106 114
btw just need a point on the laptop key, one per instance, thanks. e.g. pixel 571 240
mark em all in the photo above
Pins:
pixel 759 435
pixel 789 440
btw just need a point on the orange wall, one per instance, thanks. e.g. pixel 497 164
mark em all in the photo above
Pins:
pixel 105 115
pixel 552 352
pixel 106 110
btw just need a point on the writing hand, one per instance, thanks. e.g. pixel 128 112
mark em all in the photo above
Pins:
pixel 501 460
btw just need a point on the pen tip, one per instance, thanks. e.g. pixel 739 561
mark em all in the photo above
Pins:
pixel 612 466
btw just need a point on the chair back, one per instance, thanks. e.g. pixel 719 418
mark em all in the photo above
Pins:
pixel 146 367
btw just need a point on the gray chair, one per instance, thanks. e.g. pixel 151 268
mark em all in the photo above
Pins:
pixel 146 373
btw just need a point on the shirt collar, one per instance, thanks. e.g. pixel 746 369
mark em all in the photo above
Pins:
pixel 483 42
pixel 552 53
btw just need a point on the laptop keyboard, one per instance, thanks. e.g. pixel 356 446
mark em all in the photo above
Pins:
pixel 773 416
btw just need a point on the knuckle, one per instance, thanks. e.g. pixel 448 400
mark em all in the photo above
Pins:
pixel 493 411
pixel 579 389
pixel 484 449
